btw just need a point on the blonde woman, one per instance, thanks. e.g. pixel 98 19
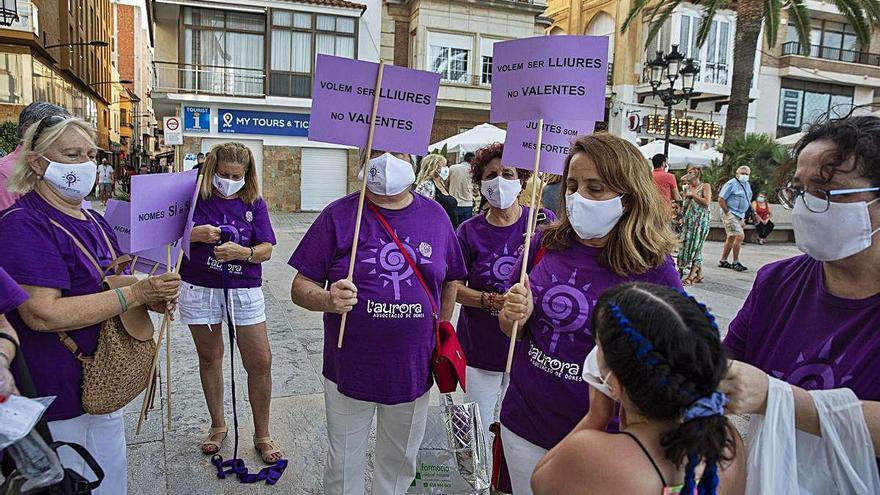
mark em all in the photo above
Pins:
pixel 431 183
pixel 232 238
pixel 613 230
pixel 54 172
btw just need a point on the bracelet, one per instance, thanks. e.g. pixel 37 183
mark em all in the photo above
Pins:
pixel 249 258
pixel 483 301
pixel 122 301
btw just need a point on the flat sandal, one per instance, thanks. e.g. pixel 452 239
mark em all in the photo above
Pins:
pixel 207 442
pixel 267 455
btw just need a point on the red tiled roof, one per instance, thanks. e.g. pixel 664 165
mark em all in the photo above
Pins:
pixel 345 4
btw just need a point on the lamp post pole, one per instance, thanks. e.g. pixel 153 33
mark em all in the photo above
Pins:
pixel 672 67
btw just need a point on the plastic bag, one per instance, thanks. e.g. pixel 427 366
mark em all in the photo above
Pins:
pixel 784 460
pixel 452 459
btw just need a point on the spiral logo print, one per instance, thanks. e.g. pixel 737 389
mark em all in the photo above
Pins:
pixel 566 309
pixel 500 269
pixel 374 173
pixel 391 266
pixel 71 178
pixel 817 373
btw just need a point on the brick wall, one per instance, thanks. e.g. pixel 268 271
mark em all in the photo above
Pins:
pixel 9 112
pixel 353 168
pixel 125 41
pixel 282 175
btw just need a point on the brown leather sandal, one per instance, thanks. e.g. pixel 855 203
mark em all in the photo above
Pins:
pixel 271 455
pixel 211 447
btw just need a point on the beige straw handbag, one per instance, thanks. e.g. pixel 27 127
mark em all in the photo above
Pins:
pixel 120 368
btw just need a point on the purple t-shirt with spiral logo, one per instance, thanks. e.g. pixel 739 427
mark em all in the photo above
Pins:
pixel 37 253
pixel 389 335
pixel 247 224
pixel 795 330
pixel 489 254
pixel 547 396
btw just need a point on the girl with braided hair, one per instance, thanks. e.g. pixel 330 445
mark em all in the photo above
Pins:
pixel 659 354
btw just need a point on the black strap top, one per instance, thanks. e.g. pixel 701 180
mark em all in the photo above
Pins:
pixel 656 468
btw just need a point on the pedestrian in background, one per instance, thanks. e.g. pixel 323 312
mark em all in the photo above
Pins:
pixel 665 182
pixel 383 368
pixel 552 195
pixel 614 229
pixel 431 183
pixel 735 200
pixel 490 242
pixel 51 246
pixel 696 220
pixel 233 233
pixel 29 115
pixel 462 188
pixel 106 181
pixel 763 217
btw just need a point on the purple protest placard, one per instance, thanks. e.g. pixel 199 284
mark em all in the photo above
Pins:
pixel 555 77
pixel 118 215
pixel 342 101
pixel 159 208
pixel 522 136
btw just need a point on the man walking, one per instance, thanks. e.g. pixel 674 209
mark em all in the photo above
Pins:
pixel 461 187
pixel 665 182
pixel 106 181
pixel 734 200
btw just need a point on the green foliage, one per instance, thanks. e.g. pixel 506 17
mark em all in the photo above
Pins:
pixel 7 136
pixel 122 195
pixel 761 153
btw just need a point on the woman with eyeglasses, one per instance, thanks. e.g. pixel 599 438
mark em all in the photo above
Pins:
pixel 812 320
pixel 40 233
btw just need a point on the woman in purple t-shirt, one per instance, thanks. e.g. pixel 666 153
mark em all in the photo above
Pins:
pixel 56 170
pixel 614 229
pixel 11 297
pixel 232 237
pixel 812 320
pixel 383 367
pixel 491 242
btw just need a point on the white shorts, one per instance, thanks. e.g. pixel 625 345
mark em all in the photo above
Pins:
pixel 206 306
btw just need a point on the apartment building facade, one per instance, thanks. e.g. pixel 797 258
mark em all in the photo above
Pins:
pixel 456 38
pixel 58 51
pixel 243 71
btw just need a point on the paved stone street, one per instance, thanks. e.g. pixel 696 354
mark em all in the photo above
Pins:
pixel 165 457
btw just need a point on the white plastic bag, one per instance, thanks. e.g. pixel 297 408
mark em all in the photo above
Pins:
pixel 785 461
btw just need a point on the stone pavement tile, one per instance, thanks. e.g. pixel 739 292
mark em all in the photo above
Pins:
pixel 146 469
pixel 151 430
pixel 292 372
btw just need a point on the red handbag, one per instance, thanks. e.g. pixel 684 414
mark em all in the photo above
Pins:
pixel 447 361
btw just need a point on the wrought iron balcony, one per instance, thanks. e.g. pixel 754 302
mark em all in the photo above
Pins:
pixel 830 53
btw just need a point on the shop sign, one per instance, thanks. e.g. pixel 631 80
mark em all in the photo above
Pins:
pixel 682 127
pixel 254 122
pixel 197 119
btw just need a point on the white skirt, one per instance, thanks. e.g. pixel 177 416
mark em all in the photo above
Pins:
pixel 206 306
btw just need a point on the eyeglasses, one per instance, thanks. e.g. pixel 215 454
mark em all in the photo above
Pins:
pixel 45 123
pixel 788 197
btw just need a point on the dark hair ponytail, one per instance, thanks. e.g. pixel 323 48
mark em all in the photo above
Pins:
pixel 665 349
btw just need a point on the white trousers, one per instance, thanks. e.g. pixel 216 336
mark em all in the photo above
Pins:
pixel 104 437
pixel 399 432
pixel 484 388
pixel 522 456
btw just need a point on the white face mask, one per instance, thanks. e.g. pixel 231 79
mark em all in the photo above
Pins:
pixel 227 187
pixel 444 173
pixel 593 375
pixel 743 178
pixel 762 199
pixel 72 181
pixel 500 192
pixel 592 219
pixel 846 225
pixel 388 175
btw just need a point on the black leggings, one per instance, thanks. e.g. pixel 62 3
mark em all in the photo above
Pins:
pixel 764 229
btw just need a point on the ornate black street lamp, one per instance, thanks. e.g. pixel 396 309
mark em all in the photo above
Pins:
pixel 670 68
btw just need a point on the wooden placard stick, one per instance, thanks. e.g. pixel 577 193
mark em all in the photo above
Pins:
pixel 361 198
pixel 530 229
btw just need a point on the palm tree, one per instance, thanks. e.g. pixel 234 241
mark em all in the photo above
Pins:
pixel 750 14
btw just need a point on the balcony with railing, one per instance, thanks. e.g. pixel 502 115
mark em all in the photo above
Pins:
pixel 831 53
pixel 170 77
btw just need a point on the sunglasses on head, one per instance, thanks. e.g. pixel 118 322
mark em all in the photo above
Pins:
pixel 45 123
